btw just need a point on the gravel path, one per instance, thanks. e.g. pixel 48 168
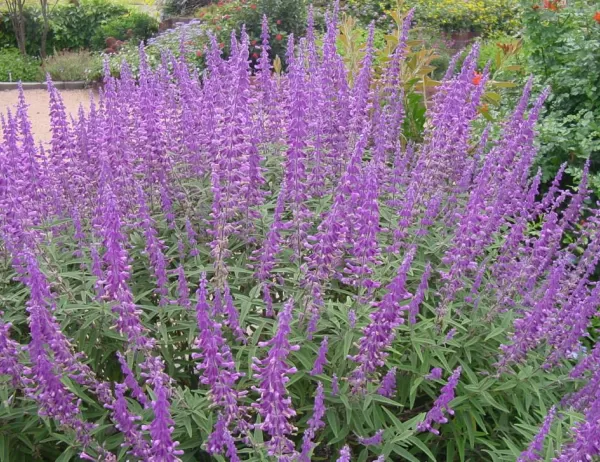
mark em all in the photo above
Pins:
pixel 39 107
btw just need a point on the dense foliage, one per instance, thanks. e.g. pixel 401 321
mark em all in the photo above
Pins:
pixel 485 17
pixel 74 66
pixel 79 25
pixel 562 42
pixel 132 27
pixel 15 67
pixel 257 267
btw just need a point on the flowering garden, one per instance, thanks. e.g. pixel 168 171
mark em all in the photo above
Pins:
pixel 255 264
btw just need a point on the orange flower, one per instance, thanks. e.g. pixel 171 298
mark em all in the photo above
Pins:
pixel 278 37
pixel 597 17
pixel 477 78
pixel 551 5
pixel 199 54
pixel 253 6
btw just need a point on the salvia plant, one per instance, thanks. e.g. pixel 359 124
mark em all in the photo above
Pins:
pixel 255 267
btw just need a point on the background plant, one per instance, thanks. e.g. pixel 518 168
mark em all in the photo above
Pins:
pixel 71 66
pixel 561 45
pixel 483 17
pixel 14 66
pixel 132 27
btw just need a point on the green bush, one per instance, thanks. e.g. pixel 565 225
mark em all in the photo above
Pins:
pixel 75 26
pixel 484 17
pixel 285 17
pixel 563 45
pixel 74 65
pixel 14 67
pixel 80 26
pixel 134 26
pixel 33 32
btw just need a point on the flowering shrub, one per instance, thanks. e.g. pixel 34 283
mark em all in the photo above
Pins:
pixel 562 45
pixel 260 269
pixel 480 16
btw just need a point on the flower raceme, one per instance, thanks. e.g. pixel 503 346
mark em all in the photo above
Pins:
pixel 238 264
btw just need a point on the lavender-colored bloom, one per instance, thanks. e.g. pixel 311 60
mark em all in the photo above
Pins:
pixel 131 382
pixel 183 291
pixel 352 319
pixel 221 441
pixel 217 367
pixel 232 314
pixel 434 374
pixel 335 385
pixel 374 440
pixel 163 448
pixel 413 307
pixel 154 248
pixel 314 424
pixel 534 451
pixel 272 372
pixel 321 357
pixel 387 386
pixel 344 454
pixel 9 354
pixel 441 405
pixel 378 335
pixel 126 423
pixel 117 273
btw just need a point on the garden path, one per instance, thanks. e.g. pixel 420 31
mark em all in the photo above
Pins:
pixel 39 107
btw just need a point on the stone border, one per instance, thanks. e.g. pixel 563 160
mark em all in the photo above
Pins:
pixel 74 85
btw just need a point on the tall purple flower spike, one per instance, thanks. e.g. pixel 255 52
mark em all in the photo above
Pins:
pixel 274 405
pixel 441 405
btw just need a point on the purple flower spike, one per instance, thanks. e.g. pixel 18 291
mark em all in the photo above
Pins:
pixel 321 358
pixel 387 387
pixel 435 374
pixel 163 448
pixel 534 451
pixel 274 404
pixel 232 314
pixel 335 385
pixel 344 454
pixel 374 440
pixel 314 424
pixel 221 441
pixel 436 414
pixel 9 354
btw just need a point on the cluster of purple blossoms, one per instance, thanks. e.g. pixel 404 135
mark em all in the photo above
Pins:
pixel 304 166
pixel 272 373
pixel 441 405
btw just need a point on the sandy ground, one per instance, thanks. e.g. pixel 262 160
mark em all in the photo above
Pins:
pixel 39 107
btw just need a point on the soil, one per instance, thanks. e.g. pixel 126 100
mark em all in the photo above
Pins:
pixel 38 102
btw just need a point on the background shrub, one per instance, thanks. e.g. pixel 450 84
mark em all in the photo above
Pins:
pixel 483 17
pixel 15 67
pixel 133 26
pixel 74 65
pixel 562 45
pixel 75 25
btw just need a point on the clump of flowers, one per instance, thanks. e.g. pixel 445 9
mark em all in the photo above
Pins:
pixel 253 264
